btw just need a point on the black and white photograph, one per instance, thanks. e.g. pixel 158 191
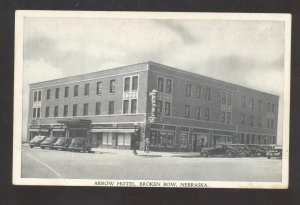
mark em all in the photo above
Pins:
pixel 152 99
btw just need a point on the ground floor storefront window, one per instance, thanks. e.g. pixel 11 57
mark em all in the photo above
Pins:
pixel 123 139
pixel 107 138
pixel 183 140
pixel 162 138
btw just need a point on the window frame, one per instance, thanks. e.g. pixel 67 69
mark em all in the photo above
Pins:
pixel 160 84
pixel 85 109
pixel 86 89
pixel 169 85
pixel 111 107
pixel 112 86
pixel 67 90
pixel 187 111
pixel 134 87
pixel 76 89
pixel 98 108
pixel 188 90
pixel 56 93
pixel 66 110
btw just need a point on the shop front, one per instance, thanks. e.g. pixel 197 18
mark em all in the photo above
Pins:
pixel 35 130
pixel 222 137
pixel 162 137
pixel 199 139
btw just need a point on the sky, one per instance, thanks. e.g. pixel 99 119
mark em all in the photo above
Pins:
pixel 248 53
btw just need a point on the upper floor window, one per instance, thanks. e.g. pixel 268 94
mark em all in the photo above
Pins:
pixel 269 107
pixel 229 99
pixel 187 111
pixel 125 106
pixel 99 88
pixel 188 90
pixel 133 106
pixel 207 114
pixel 75 110
pixel 243 120
pixel 47 111
pixel 66 110
pixel 126 84
pixel 112 86
pixel 251 121
pixel 135 80
pixel 98 108
pixel 223 116
pixel 272 123
pixel 199 92
pixel 228 117
pixel 56 111
pixel 260 105
pixel 75 90
pixel 243 102
pixel 159 107
pixel 37 96
pixel 160 84
pixel 167 108
pixel 223 98
pixel 168 86
pixel 208 94
pixel 111 107
pixel 86 89
pixel 273 107
pixel 67 92
pixel 252 103
pixel 85 109
pixel 259 124
pixel 198 113
pixel 48 94
pixel 56 93
pixel 36 112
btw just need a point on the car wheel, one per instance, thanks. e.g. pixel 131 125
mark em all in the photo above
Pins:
pixel 243 154
pixel 31 146
pixel 42 147
pixel 229 154
pixel 269 157
pixel 204 154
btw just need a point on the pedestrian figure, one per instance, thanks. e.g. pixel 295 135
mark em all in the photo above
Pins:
pixel 135 147
pixel 147 145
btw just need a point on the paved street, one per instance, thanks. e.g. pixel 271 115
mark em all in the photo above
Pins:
pixel 122 164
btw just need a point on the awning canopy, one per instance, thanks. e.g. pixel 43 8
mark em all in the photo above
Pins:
pixel 114 130
pixel 38 130
pixel 75 122
pixel 59 129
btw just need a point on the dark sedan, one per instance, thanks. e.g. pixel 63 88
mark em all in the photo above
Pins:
pixel 257 150
pixel 243 150
pixel 36 141
pixel 275 152
pixel 48 142
pixel 80 144
pixel 219 150
pixel 62 143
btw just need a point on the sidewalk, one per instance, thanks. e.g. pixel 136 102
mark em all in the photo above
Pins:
pixel 142 153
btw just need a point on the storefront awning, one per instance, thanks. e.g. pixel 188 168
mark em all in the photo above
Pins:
pixel 113 130
pixel 34 130
pixel 58 129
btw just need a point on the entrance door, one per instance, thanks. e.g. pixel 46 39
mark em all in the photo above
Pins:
pixel 82 133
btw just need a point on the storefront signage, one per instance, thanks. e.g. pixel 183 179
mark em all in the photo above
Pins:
pixel 153 95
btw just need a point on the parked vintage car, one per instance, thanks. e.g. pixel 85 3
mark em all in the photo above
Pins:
pixel 268 146
pixel 80 144
pixel 275 152
pixel 243 150
pixel 257 150
pixel 62 143
pixel 36 141
pixel 219 150
pixel 48 142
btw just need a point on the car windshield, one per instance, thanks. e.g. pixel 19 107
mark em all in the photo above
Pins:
pixel 38 137
pixel 61 140
pixel 238 146
pixel 78 140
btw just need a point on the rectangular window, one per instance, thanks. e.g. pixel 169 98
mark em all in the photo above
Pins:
pixel 168 86
pixel 229 99
pixel 198 113
pixel 199 92
pixel 47 111
pixel 160 84
pixel 98 108
pixel 159 107
pixel 38 114
pixel 228 117
pixel 125 106
pixel 107 138
pixel 34 113
pixel 223 98
pixel 183 140
pixel 112 87
pixel 133 105
pixel 111 107
pixel 67 92
pixel 39 96
pixel 167 108
pixel 56 111
pixel 126 84
pixel 188 90
pixel 243 120
pixel 223 116
pixel 66 108
pixel 268 123
pixel 85 109
pixel 75 110
pixel 207 114
pixel 251 121
pixel 272 123
pixel 56 93
pixel 48 94
pixel 86 89
pixel 75 90
pixel 260 105
pixel 259 124
pixel 134 83
pixel 99 88
pixel 208 94
pixel 35 96
pixel 187 111
pixel 252 104
pixel 273 107
pixel 269 107
pixel 243 102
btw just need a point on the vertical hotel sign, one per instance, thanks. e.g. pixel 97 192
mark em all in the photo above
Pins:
pixel 153 95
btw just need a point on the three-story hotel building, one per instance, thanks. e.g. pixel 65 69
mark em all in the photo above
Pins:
pixel 177 110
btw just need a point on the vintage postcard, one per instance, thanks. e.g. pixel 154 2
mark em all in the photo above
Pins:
pixel 152 99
